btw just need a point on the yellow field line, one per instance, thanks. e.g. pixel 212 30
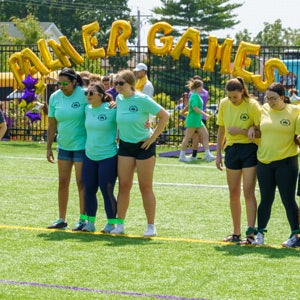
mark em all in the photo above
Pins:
pixel 172 239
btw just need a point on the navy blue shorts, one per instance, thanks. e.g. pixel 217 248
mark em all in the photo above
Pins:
pixel 75 156
pixel 240 156
pixel 135 150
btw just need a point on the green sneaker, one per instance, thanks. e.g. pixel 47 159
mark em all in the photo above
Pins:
pixel 80 224
pixel 108 228
pixel 58 224
pixel 89 227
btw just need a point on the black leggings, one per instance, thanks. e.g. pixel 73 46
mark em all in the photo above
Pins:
pixel 283 174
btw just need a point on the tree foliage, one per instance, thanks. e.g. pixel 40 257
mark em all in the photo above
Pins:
pixel 203 15
pixel 70 15
pixel 272 35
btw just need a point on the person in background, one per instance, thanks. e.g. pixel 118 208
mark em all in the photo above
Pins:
pixel 143 84
pixel 3 126
pixel 113 90
pixel 194 122
pixel 237 113
pixel 106 82
pixel 94 78
pixel 66 118
pixel 278 160
pixel 183 109
pixel 100 161
pixel 137 147
pixel 197 138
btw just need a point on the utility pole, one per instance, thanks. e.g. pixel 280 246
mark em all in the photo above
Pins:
pixel 139 26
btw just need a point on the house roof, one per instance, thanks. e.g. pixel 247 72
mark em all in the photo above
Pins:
pixel 49 28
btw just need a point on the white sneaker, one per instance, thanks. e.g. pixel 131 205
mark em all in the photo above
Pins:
pixel 209 157
pixel 184 159
pixel 192 158
pixel 150 231
pixel 290 242
pixel 259 240
pixel 119 229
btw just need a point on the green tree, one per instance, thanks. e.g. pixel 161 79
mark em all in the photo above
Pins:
pixel 30 29
pixel 273 34
pixel 203 15
pixel 70 15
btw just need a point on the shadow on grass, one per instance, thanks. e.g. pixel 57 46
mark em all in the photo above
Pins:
pixel 32 145
pixel 268 251
pixel 108 240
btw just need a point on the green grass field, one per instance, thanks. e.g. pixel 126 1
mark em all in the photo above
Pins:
pixel 186 261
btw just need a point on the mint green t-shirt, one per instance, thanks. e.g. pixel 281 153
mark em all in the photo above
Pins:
pixel 101 129
pixel 132 114
pixel 69 112
pixel 194 119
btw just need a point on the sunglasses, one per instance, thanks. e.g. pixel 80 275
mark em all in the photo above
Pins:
pixel 64 83
pixel 121 83
pixel 90 93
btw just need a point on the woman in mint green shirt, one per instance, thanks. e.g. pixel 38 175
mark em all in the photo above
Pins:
pixel 137 147
pixel 100 161
pixel 66 119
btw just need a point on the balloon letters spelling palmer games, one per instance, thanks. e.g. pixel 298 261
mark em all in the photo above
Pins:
pixel 28 63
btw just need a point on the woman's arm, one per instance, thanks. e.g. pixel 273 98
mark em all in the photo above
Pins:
pixel 3 128
pixel 163 118
pixel 220 144
pixel 51 132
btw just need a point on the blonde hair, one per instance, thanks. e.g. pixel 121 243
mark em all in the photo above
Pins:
pixel 194 84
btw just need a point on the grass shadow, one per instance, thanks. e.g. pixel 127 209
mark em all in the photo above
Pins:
pixel 268 251
pixel 108 240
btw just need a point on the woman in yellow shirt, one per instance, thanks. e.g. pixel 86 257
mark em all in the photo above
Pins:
pixel 278 160
pixel 237 113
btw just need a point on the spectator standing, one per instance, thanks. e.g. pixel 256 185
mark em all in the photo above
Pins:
pixel 194 122
pixel 143 84
pixel 278 160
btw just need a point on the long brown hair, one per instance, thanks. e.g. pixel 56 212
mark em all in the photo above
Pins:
pixel 237 84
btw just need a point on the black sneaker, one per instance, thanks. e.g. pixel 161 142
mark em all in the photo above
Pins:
pixel 58 224
pixel 80 224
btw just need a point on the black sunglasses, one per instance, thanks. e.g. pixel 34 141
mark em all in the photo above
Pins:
pixel 90 93
pixel 121 83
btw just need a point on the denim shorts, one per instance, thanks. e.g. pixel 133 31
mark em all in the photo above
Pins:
pixel 135 150
pixel 75 156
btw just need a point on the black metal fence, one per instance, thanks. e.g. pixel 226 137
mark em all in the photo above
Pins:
pixel 168 76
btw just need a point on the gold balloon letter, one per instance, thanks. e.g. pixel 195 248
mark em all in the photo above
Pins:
pixel 15 63
pixel 270 66
pixel 167 41
pixel 30 57
pixel 193 53
pixel 241 60
pixel 90 41
pixel 119 40
pixel 216 53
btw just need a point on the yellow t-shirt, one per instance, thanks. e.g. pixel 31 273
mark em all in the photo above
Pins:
pixel 278 128
pixel 242 116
